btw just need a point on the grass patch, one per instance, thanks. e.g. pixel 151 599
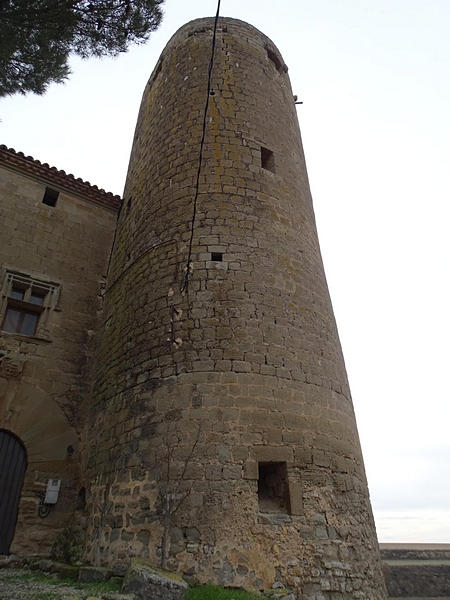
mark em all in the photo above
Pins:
pixel 214 592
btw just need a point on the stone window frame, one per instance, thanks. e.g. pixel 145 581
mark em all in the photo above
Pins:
pixel 49 290
pixel 276 454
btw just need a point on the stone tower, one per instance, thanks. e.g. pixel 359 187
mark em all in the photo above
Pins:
pixel 230 402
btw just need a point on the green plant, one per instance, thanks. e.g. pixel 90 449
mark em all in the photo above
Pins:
pixel 214 592
pixel 39 35
pixel 67 547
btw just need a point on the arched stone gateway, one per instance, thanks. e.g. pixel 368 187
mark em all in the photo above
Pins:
pixel 222 434
pixel 13 464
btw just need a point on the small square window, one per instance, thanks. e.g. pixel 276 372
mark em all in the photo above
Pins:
pixel 217 256
pixel 273 488
pixel 267 159
pixel 50 197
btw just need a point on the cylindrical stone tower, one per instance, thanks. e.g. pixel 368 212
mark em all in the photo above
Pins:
pixel 222 435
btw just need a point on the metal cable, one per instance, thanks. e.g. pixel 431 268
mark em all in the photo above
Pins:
pixel 185 283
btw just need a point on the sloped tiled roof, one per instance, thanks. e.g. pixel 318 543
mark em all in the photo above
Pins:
pixel 60 179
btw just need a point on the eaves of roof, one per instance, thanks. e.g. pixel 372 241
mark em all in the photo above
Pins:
pixel 27 165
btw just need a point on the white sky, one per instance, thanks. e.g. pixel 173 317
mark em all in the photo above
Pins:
pixel 374 79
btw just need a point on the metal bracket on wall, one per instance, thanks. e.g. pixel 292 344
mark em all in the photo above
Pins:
pixel 43 508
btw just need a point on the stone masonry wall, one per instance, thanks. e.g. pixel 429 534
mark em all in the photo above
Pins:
pixel 196 394
pixel 43 377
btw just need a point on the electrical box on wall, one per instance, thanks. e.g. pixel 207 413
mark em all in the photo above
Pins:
pixel 52 491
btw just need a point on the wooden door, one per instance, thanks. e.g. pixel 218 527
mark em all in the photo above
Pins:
pixel 13 464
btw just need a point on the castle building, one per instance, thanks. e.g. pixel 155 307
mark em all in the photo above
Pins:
pixel 56 237
pixel 180 373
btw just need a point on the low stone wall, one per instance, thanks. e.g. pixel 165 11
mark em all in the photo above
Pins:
pixel 416 570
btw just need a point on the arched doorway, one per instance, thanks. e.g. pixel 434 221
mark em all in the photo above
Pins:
pixel 13 464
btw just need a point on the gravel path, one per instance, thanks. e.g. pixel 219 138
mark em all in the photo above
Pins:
pixel 15 585
pixel 24 584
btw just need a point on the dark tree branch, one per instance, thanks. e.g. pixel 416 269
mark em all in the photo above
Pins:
pixel 43 33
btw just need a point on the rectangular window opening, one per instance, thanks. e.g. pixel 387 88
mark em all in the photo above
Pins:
pixel 26 303
pixel 20 321
pixel 267 159
pixel 273 488
pixel 50 197
pixel 217 256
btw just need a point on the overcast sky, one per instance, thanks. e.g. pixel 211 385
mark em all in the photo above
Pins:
pixel 374 79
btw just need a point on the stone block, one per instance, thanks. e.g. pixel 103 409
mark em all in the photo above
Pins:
pixel 93 574
pixel 296 497
pixel 251 469
pixel 146 582
pixel 66 571
pixel 241 366
pixel 232 472
pixel 272 454
pixel 10 561
pixel 223 365
pixel 45 565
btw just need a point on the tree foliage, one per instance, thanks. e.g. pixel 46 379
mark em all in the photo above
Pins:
pixel 37 36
